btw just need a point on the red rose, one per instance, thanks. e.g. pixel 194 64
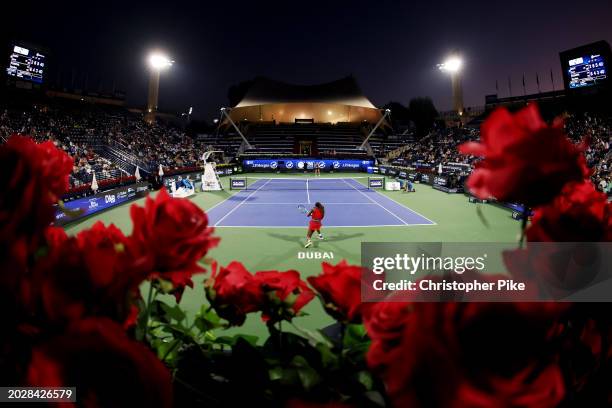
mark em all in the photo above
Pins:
pixel 525 160
pixel 234 292
pixel 55 237
pixel 286 294
pixel 174 234
pixel 580 213
pixel 106 367
pixel 340 290
pixel 475 354
pixel 384 322
pixel 33 178
pixel 547 389
pixel 94 273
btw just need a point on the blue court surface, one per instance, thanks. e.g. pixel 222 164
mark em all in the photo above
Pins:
pixel 272 202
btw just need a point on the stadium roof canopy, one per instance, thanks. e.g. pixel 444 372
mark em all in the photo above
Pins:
pixel 267 100
pixel 344 91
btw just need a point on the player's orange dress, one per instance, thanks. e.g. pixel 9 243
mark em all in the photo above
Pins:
pixel 316 216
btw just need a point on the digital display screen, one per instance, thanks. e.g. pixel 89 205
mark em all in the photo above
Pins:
pixel 302 164
pixel 26 64
pixel 588 70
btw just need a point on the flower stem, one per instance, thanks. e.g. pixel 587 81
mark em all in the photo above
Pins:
pixel 280 335
pixel 170 350
pixel 150 298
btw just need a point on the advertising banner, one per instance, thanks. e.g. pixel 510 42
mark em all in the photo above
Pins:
pixel 238 183
pixel 98 202
pixel 305 164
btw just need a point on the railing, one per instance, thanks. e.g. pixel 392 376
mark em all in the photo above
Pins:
pixel 105 184
pixel 127 157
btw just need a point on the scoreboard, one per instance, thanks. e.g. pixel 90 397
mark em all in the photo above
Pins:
pixel 585 68
pixel 586 71
pixel 26 64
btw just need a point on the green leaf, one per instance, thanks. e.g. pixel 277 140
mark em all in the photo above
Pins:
pixel 308 375
pixel 275 373
pixel 365 378
pixel 376 397
pixel 207 319
pixel 178 331
pixel 232 340
pixel 328 358
pixel 173 312
pixel 354 335
pixel 165 286
pixel 166 350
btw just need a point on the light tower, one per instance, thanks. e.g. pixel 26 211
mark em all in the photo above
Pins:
pixel 157 63
pixel 453 66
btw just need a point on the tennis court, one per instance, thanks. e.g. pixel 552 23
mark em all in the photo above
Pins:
pixel 349 202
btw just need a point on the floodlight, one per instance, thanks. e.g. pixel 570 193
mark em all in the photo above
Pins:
pixel 159 61
pixel 452 65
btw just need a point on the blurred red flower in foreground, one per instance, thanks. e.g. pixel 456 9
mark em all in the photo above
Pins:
pixel 525 160
pixel 385 323
pixel 286 294
pixel 234 292
pixel 92 274
pixel 32 178
pixel 468 354
pixel 580 213
pixel 106 367
pixel 340 290
pixel 174 234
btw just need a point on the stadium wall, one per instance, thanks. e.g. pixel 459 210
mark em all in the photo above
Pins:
pixel 319 112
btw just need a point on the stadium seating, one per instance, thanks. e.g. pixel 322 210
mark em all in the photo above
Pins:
pixel 112 141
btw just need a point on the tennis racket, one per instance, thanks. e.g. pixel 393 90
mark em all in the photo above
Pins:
pixel 302 209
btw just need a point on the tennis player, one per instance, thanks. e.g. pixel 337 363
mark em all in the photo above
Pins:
pixel 316 216
pixel 317 170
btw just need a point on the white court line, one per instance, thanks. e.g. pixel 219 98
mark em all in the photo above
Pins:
pixel 222 201
pixel 419 214
pixel 379 204
pixel 326 204
pixel 239 204
pixel 307 192
pixel 324 226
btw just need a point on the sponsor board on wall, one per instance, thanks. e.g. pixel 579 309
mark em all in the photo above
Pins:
pixel 305 164
pixel 98 202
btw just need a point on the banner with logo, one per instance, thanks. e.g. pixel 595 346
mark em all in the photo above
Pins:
pixel 196 176
pixel 306 164
pixel 98 202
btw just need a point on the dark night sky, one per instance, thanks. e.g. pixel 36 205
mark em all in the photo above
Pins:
pixel 391 47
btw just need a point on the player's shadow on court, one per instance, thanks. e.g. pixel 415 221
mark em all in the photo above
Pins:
pixel 241 199
pixel 334 237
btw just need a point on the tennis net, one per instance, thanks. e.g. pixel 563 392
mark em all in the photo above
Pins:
pixel 303 183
